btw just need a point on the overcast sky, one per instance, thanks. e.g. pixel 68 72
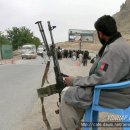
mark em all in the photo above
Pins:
pixel 65 14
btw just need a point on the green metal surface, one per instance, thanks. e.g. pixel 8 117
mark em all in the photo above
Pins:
pixel 47 91
pixel 7 51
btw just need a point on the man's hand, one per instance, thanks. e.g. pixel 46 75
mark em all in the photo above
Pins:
pixel 69 80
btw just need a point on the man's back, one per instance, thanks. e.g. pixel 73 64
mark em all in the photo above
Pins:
pixel 118 98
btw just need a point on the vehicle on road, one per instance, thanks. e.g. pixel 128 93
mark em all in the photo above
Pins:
pixel 29 51
pixel 40 50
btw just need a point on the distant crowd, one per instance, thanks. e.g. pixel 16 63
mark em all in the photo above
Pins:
pixel 82 56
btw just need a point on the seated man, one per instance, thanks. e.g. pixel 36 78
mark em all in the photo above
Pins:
pixel 112 65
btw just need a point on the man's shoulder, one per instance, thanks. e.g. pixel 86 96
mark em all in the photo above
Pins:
pixel 120 47
pixel 119 44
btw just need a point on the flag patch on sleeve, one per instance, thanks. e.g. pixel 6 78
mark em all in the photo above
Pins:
pixel 102 66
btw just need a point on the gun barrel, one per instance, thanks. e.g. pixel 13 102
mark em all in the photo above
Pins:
pixel 43 37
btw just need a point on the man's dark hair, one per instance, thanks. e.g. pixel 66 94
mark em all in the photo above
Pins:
pixel 106 24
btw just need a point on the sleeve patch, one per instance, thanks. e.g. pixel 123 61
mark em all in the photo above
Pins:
pixel 103 67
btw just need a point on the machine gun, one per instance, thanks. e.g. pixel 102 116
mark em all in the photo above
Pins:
pixel 51 51
pixel 60 84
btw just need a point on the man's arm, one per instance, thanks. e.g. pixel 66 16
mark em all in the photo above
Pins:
pixel 111 68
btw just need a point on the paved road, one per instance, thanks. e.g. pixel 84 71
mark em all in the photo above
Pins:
pixel 18 84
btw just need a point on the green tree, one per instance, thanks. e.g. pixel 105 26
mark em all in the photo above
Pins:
pixel 4 39
pixel 36 41
pixel 21 36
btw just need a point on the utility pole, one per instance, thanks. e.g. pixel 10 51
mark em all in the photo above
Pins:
pixel 80 42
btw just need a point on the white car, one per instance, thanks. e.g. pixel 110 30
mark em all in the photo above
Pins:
pixel 29 51
pixel 40 50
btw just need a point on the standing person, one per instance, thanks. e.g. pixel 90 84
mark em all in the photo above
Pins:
pixel 44 56
pixel 70 53
pixel 74 55
pixel 59 53
pixel 65 53
pixel 80 57
pixel 85 58
pixel 77 54
pixel 111 66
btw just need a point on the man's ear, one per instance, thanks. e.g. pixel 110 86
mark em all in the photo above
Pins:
pixel 100 33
